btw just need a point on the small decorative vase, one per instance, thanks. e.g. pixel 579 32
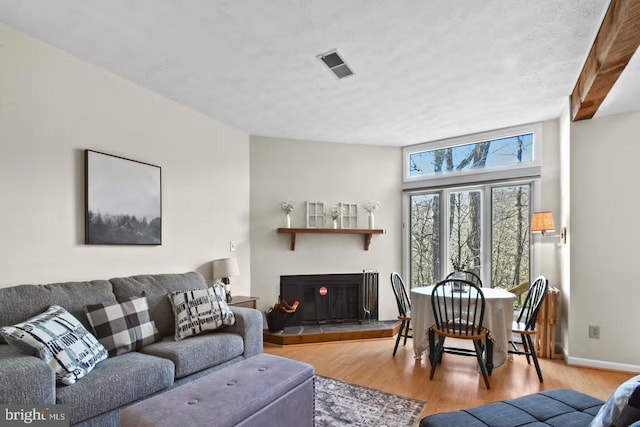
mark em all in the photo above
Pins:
pixel 335 223
pixel 372 222
pixel 288 221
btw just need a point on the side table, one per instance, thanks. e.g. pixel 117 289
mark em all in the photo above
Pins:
pixel 243 301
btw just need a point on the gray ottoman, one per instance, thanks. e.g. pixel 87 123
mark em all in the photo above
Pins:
pixel 259 391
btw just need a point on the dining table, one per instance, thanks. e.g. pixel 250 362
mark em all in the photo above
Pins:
pixel 498 320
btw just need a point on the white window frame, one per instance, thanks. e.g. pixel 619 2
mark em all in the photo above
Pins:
pixel 462 177
pixel 526 173
pixel 485 218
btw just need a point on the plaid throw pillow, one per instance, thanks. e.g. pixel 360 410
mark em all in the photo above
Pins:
pixel 197 311
pixel 123 327
pixel 59 339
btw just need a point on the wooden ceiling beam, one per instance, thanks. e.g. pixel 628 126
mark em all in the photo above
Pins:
pixel 615 44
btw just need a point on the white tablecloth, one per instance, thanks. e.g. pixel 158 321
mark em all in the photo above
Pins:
pixel 498 319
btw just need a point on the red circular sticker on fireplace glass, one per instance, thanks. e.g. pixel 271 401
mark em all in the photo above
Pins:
pixel 323 290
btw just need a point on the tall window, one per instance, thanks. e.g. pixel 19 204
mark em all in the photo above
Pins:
pixel 425 238
pixel 469 233
pixel 474 222
pixel 510 237
pixel 465 230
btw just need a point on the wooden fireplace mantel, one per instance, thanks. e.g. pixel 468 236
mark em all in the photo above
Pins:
pixel 367 233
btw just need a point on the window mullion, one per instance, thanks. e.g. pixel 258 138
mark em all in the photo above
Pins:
pixel 444 232
pixel 487 220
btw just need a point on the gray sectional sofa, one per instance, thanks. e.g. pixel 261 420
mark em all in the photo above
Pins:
pixel 117 382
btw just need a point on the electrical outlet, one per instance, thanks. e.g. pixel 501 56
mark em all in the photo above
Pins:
pixel 232 246
pixel 594 332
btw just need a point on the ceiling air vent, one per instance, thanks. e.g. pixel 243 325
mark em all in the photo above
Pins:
pixel 336 64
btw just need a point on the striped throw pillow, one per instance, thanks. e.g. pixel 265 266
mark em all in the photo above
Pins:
pixel 59 339
pixel 199 310
pixel 219 301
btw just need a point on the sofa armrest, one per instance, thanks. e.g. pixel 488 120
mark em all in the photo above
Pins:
pixel 249 325
pixel 25 379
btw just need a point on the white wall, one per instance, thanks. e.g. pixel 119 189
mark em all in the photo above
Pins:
pixel 52 107
pixel 546 247
pixel 564 221
pixel 605 289
pixel 312 171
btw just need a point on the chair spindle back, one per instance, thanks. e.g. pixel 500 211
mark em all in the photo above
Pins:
pixel 469 276
pixel 458 307
pixel 404 305
pixel 533 302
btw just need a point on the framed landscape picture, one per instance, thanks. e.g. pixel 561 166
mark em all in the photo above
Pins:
pixel 123 201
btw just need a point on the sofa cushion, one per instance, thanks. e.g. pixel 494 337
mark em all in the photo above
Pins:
pixel 197 353
pixel 115 382
pixel 197 311
pixel 18 303
pixel 26 380
pixel 59 339
pixel 123 327
pixel 156 288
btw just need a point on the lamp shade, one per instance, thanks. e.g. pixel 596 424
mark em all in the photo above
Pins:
pixel 542 221
pixel 225 267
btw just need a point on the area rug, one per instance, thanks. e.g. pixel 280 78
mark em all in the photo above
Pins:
pixel 339 403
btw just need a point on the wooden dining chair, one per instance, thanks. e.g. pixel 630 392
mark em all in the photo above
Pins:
pixel 466 275
pixel 404 309
pixel 458 314
pixel 525 324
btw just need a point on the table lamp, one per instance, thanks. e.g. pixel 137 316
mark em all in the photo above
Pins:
pixel 223 269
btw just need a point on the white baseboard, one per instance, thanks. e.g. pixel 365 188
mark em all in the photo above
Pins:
pixel 613 366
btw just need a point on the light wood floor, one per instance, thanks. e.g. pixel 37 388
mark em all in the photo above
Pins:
pixel 457 383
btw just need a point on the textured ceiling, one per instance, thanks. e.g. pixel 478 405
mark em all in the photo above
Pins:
pixel 425 69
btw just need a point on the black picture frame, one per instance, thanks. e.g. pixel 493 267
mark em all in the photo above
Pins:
pixel 123 201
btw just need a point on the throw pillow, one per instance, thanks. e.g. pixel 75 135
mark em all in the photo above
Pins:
pixel 195 312
pixel 59 339
pixel 617 401
pixel 631 411
pixel 219 297
pixel 123 327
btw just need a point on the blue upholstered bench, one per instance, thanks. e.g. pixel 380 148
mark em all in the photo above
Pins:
pixel 559 407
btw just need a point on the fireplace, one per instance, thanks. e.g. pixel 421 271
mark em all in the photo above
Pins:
pixel 332 298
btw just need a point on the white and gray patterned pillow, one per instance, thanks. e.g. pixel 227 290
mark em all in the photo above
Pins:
pixel 59 339
pixel 123 327
pixel 219 296
pixel 196 311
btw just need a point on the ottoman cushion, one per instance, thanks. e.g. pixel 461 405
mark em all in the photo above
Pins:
pixel 236 395
pixel 559 407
